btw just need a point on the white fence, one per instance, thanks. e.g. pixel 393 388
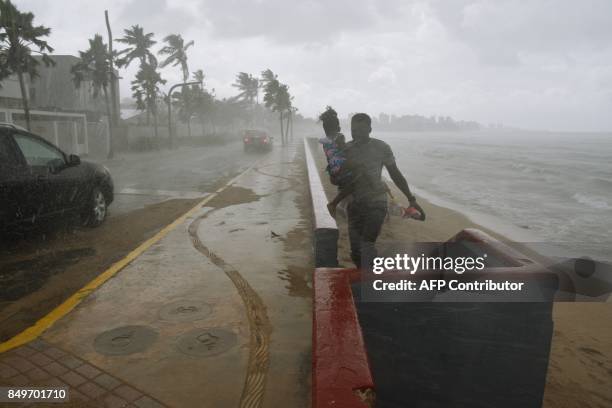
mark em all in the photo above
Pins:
pixel 69 131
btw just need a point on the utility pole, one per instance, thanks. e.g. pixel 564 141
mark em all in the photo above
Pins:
pixel 112 125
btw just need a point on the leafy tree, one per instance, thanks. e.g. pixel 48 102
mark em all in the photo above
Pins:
pixel 138 47
pixel 202 101
pixel 19 39
pixel 276 98
pixel 176 53
pixel 185 101
pixel 94 66
pixel 145 90
pixel 249 92
pixel 248 87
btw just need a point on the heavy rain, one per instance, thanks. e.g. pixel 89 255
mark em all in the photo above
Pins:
pixel 205 204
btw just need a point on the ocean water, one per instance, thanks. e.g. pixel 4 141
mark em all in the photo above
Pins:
pixel 545 187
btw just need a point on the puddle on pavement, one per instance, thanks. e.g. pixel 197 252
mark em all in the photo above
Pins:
pixel 21 278
pixel 298 282
pixel 233 195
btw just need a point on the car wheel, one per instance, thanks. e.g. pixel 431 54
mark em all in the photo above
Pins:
pixel 96 209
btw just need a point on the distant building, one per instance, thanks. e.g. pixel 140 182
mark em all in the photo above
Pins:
pixel 54 89
pixel 10 93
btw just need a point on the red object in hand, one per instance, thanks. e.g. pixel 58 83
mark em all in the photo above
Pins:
pixel 411 212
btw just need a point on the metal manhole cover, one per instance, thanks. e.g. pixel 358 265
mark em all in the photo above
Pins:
pixel 185 310
pixel 207 342
pixel 125 340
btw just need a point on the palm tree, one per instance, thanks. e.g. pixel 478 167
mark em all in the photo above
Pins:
pixel 276 97
pixel 202 100
pixel 198 76
pixel 145 89
pixel 19 38
pixel 185 101
pixel 248 87
pixel 138 47
pixel 94 66
pixel 249 91
pixel 176 52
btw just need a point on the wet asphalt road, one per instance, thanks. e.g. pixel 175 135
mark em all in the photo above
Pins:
pixel 142 179
pixel 39 269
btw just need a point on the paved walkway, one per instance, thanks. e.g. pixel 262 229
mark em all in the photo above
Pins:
pixel 216 314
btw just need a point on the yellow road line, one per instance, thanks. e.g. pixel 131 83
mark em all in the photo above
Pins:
pixel 62 310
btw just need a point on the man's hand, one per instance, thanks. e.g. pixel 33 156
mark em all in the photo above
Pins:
pixel 416 206
pixel 402 184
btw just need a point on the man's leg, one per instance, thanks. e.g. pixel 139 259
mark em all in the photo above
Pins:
pixel 372 222
pixel 355 226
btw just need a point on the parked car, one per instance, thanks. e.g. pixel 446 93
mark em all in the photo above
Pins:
pixel 256 140
pixel 39 182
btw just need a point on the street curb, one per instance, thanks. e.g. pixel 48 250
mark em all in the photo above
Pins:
pixel 325 227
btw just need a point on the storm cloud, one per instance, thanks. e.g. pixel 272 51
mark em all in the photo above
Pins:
pixel 537 64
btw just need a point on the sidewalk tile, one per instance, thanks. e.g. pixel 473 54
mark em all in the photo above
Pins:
pixel 75 395
pixel 113 401
pixel 88 371
pixel 37 374
pixel 39 345
pixel 55 353
pixel 40 359
pixel 73 379
pixel 56 369
pixel 70 361
pixel 127 392
pixel 92 390
pixel 25 351
pixel 6 371
pixel 18 363
pixel 147 402
pixel 19 380
pixel 107 381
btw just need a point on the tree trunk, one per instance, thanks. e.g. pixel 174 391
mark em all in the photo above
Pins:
pixel 287 126
pixel 189 127
pixel 24 97
pixel 282 129
pixel 111 148
pixel 157 141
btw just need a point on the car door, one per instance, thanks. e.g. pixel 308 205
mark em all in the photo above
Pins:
pixel 11 177
pixel 44 162
pixel 21 189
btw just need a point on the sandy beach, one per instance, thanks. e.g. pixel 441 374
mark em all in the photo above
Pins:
pixel 580 366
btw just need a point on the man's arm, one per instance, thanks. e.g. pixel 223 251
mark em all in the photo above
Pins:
pixel 401 183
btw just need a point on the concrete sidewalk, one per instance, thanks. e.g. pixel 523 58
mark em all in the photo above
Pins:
pixel 215 314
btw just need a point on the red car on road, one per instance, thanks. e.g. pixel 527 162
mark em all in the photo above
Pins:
pixel 256 140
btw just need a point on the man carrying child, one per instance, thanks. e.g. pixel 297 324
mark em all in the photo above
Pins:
pixel 356 167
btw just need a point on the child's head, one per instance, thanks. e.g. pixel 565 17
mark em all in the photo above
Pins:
pixel 331 124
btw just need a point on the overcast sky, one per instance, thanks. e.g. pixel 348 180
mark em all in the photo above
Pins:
pixel 532 64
